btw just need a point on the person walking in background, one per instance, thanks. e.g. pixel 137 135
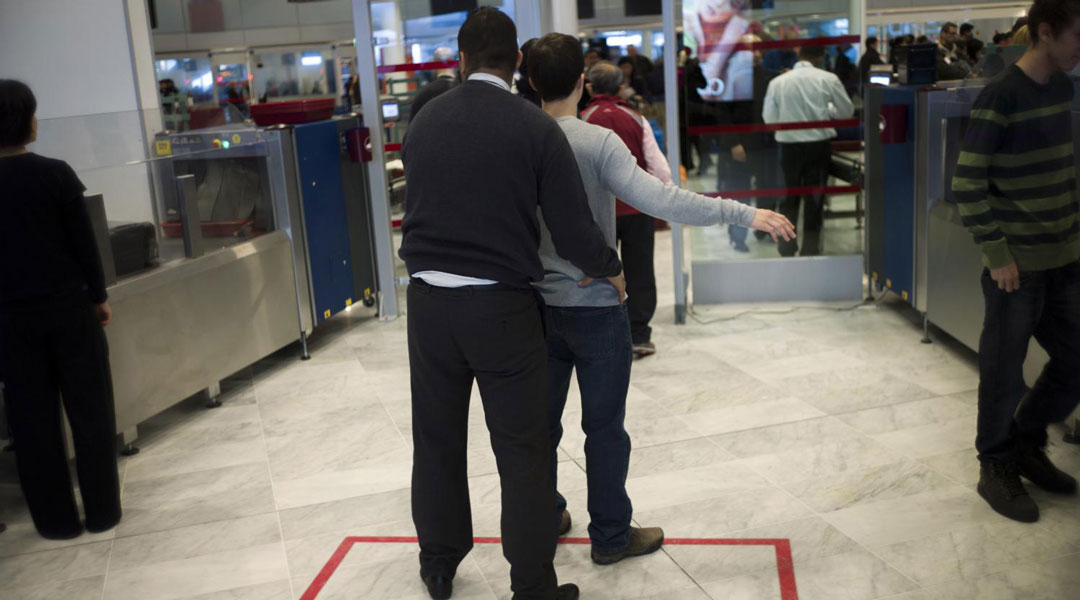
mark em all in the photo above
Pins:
pixel 480 163
pixel 633 79
pixel 636 232
pixel 443 82
pixel 970 44
pixel 806 93
pixel 588 327
pixel 53 308
pixel 749 160
pixel 522 84
pixel 1015 186
pixel 951 62
pixel 870 58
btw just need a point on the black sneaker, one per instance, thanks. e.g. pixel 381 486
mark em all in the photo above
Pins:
pixel 568 591
pixel 1000 486
pixel 642 541
pixel 564 526
pixel 1035 466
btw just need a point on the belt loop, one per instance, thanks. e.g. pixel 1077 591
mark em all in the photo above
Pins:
pixel 421 286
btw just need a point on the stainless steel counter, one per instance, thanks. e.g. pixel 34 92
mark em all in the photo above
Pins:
pixel 190 323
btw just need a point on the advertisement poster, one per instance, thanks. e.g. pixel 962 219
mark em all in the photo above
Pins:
pixel 716 29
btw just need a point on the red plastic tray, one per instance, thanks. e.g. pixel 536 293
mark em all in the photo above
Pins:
pixel 292 112
pixel 173 229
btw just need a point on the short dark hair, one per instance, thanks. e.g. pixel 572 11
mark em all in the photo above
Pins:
pixel 812 52
pixel 17 108
pixel 555 65
pixel 525 90
pixel 489 40
pixel 966 28
pixel 1058 14
pixel 947 26
pixel 871 41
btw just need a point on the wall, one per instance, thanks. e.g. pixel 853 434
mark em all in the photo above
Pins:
pixel 77 58
pixel 246 23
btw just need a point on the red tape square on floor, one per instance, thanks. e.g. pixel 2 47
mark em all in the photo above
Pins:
pixel 785 566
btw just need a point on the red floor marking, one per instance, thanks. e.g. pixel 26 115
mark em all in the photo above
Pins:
pixel 785 566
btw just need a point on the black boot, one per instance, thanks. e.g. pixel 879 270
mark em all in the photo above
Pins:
pixel 439 587
pixel 1000 486
pixel 568 591
pixel 1036 467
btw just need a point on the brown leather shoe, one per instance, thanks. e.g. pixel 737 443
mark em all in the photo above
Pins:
pixel 564 526
pixel 642 541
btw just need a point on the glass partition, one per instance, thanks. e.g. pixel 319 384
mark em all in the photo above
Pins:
pixel 236 179
pixel 295 73
pixel 771 150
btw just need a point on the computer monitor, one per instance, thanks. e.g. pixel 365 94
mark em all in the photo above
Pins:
pixel 391 111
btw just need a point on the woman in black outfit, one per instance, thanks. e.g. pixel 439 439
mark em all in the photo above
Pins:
pixel 52 311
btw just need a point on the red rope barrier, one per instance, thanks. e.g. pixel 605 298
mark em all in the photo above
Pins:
pixel 770 127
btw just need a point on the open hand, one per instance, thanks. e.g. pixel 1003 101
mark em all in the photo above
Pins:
pixel 1007 278
pixel 103 313
pixel 774 224
pixel 619 281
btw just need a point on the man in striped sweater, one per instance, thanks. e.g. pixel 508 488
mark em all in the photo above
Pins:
pixel 1015 186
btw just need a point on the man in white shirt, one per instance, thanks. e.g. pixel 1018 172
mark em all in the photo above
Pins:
pixel 806 93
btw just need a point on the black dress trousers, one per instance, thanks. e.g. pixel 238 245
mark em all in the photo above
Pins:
pixel 48 357
pixel 495 335
pixel 636 235
pixel 805 164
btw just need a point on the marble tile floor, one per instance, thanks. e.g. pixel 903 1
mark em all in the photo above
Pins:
pixel 836 430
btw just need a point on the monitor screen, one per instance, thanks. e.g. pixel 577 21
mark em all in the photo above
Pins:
pixel 390 111
pixel 885 79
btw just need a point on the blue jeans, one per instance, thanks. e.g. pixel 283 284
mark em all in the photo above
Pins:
pixel 1047 306
pixel 597 342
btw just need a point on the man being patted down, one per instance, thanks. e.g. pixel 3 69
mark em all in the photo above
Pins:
pixel 587 323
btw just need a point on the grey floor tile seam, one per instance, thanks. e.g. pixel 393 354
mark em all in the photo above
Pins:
pixel 108 562
pixel 685 572
pixel 822 516
pixel 397 427
pixel 273 491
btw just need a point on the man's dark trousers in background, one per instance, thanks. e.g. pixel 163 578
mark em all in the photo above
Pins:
pixel 805 164
pixel 1047 306
pixel 636 235
pixel 494 334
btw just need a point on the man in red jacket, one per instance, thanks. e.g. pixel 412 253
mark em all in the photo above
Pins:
pixel 635 232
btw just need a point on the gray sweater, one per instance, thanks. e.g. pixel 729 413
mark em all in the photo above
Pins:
pixel 609 170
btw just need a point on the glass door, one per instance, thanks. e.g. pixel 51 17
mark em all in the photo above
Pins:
pixel 728 55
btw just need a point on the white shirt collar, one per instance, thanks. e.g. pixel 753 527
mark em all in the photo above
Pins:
pixel 803 64
pixel 489 78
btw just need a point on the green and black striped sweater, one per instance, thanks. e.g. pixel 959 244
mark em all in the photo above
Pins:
pixel 1015 181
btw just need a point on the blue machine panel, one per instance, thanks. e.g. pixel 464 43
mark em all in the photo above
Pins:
pixel 899 197
pixel 319 158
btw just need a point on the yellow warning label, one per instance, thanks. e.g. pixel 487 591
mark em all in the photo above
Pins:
pixel 163 147
pixel 903 295
pixel 236 138
pixel 367 292
pixel 348 302
pixel 326 314
pixel 888 282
